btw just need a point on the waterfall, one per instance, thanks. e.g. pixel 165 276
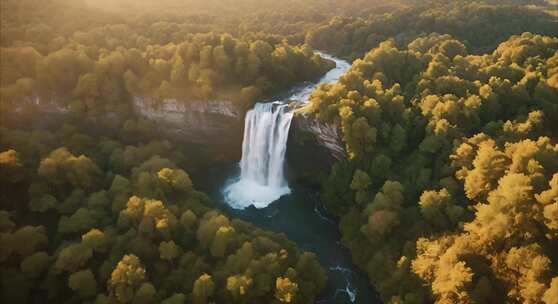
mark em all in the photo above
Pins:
pixel 266 130
pixel 265 142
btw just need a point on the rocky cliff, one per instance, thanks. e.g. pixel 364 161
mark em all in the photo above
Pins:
pixel 313 147
pixel 213 126
pixel 213 129
pixel 325 135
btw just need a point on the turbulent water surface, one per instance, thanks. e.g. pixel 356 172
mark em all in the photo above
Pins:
pixel 257 191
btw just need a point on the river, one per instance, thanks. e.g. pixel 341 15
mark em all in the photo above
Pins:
pixel 257 191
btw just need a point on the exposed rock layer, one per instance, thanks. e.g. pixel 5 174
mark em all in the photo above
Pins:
pixel 213 126
pixel 313 147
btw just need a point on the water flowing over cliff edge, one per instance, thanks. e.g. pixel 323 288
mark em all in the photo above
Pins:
pixel 266 131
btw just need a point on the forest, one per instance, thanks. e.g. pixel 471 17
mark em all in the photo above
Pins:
pixel 452 169
pixel 447 116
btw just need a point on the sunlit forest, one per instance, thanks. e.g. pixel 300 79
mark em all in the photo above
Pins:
pixel 198 151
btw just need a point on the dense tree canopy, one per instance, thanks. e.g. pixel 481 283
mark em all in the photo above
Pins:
pixel 449 193
pixel 467 213
pixel 353 36
pixel 123 224
pixel 87 65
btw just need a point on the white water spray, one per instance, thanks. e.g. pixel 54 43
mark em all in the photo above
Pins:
pixel 262 181
pixel 266 131
pixel 265 142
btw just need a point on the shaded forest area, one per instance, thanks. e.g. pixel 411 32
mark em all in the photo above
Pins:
pixel 110 222
pixel 448 115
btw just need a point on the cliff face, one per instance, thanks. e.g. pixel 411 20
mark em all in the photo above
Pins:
pixel 215 127
pixel 213 130
pixel 313 147
pixel 172 110
pixel 325 135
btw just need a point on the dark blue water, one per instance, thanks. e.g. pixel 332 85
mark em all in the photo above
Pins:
pixel 301 217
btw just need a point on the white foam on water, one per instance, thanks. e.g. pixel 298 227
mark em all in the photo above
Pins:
pixel 349 289
pixel 244 193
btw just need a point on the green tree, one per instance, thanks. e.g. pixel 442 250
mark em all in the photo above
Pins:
pixel 95 239
pixel 177 298
pixel 285 290
pixel 188 220
pixel 36 264
pixel 80 221
pixel 145 294
pixel 83 282
pixel 239 286
pixel 223 236
pixel 168 251
pixel 43 204
pixel 361 182
pixel 28 239
pixel 11 168
pixel 62 167
pixel 126 278
pixel 175 179
pixel 439 209
pixel 72 258
pixel 203 289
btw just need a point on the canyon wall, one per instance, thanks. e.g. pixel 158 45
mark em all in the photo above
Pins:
pixel 213 129
pixel 313 147
pixel 213 126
